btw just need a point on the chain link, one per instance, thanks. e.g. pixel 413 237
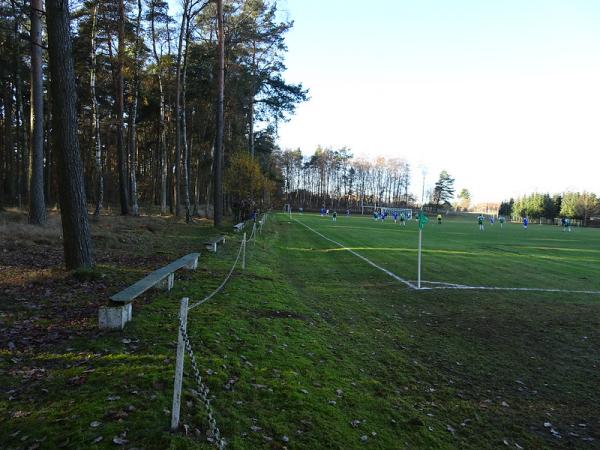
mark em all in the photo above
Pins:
pixel 214 434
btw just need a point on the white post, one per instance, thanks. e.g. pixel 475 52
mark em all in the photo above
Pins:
pixel 419 260
pixel 183 310
pixel 254 232
pixel 244 252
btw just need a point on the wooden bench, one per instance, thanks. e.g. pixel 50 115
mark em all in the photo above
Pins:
pixel 238 226
pixel 116 317
pixel 211 244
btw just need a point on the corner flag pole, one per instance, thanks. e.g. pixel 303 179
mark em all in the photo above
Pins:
pixel 422 221
pixel 419 259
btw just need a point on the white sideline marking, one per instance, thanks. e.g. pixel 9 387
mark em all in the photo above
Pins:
pixel 444 285
pixel 393 275
pixel 497 288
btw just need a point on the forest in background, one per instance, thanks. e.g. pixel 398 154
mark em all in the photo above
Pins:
pixel 147 85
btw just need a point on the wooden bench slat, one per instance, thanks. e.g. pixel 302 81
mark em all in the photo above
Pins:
pixel 153 278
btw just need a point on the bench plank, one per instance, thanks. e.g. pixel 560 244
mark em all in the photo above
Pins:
pixel 128 294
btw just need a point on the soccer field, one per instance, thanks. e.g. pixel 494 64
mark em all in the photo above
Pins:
pixel 457 252
pixel 452 368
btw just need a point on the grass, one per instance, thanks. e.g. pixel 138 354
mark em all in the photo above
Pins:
pixel 313 348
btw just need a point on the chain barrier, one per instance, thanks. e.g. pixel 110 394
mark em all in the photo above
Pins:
pixel 222 285
pixel 214 434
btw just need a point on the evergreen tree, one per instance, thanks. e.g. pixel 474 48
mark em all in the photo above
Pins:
pixel 443 190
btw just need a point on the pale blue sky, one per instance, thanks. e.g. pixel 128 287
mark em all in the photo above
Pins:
pixel 505 95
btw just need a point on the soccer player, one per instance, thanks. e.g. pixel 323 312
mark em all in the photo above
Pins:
pixel 480 221
pixel 402 220
pixel 491 220
pixel 348 212
pixel 525 222
pixel 334 216
pixel 395 216
pixel 322 211
pixel 568 224
pixel 439 218
pixel 501 220
pixel 375 215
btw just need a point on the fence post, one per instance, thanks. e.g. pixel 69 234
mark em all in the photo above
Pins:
pixel 254 232
pixel 244 252
pixel 182 323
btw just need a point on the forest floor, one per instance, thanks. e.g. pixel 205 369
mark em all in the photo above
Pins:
pixel 310 347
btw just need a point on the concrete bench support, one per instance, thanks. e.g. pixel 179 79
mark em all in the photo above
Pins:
pixel 166 283
pixel 114 317
pixel 211 245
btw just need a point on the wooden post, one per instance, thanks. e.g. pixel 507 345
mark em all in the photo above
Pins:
pixel 183 310
pixel 244 252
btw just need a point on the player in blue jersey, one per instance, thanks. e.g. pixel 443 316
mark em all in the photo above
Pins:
pixel 525 222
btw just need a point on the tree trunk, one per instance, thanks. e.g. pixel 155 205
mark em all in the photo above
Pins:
pixel 162 145
pixel 178 114
pixel 133 117
pixel 99 178
pixel 186 148
pixel 76 233
pixel 37 204
pixel 121 149
pixel 218 158
pixel 251 105
pixel 20 155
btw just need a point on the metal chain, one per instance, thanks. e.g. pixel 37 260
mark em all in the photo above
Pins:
pixel 214 435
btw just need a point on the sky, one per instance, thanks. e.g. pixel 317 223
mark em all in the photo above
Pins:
pixel 504 95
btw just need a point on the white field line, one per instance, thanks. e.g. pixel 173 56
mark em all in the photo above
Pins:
pixel 367 260
pixel 444 285
pixel 497 288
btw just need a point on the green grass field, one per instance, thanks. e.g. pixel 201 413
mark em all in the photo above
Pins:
pixel 457 252
pixel 312 347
